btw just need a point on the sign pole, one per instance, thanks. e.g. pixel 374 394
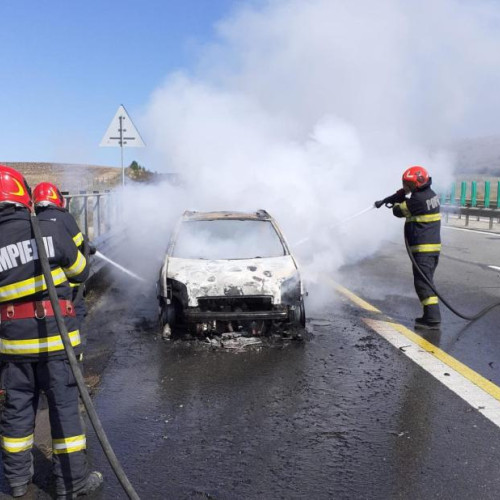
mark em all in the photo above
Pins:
pixel 121 150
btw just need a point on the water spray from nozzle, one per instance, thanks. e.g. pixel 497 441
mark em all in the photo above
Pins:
pixel 339 223
pixel 121 268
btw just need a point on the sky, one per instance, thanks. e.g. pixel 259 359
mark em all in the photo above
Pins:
pixel 67 66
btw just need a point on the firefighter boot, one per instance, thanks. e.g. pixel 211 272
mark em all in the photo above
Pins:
pixel 93 482
pixel 20 490
pixel 427 324
pixel 431 319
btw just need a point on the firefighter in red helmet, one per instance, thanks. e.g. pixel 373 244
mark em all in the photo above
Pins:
pixel 423 233
pixel 48 192
pixel 50 204
pixel 31 348
pixel 13 188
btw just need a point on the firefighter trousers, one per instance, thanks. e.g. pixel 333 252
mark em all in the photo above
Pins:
pixel 22 383
pixel 81 312
pixel 427 296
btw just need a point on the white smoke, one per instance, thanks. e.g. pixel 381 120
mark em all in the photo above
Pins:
pixel 313 109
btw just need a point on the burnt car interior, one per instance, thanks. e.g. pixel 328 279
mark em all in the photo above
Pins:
pixel 227 239
pixel 227 273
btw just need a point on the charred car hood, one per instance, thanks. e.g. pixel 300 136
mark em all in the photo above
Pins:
pixel 218 278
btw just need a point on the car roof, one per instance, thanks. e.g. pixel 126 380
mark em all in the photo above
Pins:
pixel 258 215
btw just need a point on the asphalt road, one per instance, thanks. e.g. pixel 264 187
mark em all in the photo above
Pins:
pixel 462 277
pixel 343 415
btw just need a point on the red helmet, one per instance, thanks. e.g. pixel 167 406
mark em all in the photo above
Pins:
pixel 13 187
pixel 48 193
pixel 415 177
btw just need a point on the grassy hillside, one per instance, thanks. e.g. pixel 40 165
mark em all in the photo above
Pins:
pixel 67 177
pixel 478 156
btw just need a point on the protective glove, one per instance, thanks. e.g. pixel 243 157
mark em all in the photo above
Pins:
pixel 398 197
pixel 92 248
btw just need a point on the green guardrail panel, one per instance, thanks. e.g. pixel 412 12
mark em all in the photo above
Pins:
pixel 463 193
pixel 453 194
pixel 473 194
pixel 487 191
pixel 498 194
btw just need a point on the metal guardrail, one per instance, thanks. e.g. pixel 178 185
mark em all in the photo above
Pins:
pixel 94 212
pixel 478 200
pixel 493 214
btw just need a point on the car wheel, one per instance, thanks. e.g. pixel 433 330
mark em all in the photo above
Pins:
pixel 298 315
pixel 302 314
pixel 167 314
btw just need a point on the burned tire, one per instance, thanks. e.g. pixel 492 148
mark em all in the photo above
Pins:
pixel 167 314
pixel 302 314
pixel 298 315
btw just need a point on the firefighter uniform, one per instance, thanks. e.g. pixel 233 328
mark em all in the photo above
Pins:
pixel 32 350
pixel 55 214
pixel 423 232
pixel 62 216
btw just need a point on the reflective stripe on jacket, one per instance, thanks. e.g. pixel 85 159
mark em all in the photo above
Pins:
pixel 423 220
pixel 21 280
pixel 62 216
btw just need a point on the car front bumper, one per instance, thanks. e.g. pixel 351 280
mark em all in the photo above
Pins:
pixel 195 315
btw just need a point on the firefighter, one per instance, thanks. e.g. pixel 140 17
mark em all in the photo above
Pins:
pixel 51 205
pixel 422 231
pixel 31 348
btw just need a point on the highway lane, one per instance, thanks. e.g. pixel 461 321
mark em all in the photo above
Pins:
pixel 343 415
pixel 464 279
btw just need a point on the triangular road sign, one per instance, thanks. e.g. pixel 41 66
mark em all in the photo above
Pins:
pixel 122 132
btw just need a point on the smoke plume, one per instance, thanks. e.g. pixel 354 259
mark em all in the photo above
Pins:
pixel 313 109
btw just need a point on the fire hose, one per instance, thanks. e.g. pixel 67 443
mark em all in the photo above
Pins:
pixel 61 325
pixel 467 317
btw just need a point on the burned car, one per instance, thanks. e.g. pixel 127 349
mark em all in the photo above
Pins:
pixel 229 272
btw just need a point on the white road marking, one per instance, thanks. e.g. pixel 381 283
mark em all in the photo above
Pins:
pixel 464 382
pixel 495 235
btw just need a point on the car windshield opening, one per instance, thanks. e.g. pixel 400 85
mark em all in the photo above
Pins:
pixel 227 239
